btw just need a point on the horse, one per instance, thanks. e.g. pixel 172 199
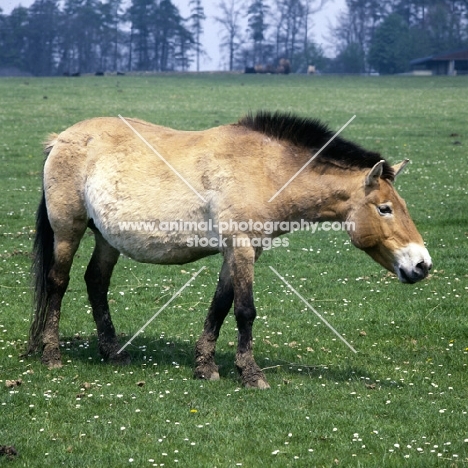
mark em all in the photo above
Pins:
pixel 227 185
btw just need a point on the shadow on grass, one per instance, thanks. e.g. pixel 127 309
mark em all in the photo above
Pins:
pixel 167 352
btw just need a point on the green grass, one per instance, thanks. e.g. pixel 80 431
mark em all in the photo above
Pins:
pixel 401 401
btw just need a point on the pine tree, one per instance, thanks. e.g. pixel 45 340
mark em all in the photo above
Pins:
pixel 197 16
pixel 257 28
pixel 13 36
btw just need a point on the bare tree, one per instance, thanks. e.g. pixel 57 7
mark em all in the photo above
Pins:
pixel 311 7
pixel 357 25
pixel 293 25
pixel 290 18
pixel 230 19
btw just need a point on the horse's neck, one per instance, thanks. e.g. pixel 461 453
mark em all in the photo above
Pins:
pixel 327 198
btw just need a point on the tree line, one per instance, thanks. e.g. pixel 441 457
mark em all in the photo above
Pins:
pixel 89 36
pixel 54 37
pixel 384 36
pixel 265 32
pixel 370 36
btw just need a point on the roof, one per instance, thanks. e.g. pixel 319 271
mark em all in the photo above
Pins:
pixel 461 54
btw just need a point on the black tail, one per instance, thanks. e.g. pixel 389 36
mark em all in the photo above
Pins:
pixel 43 259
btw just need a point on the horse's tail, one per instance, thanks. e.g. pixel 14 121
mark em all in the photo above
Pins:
pixel 43 252
pixel 49 143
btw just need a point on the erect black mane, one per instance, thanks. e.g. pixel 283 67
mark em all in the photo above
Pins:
pixel 313 134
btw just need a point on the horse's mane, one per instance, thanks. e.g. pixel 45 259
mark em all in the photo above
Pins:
pixel 313 134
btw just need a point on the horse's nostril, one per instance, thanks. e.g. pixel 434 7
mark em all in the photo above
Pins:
pixel 423 267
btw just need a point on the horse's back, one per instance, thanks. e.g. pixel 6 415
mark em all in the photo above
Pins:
pixel 114 171
pixel 101 169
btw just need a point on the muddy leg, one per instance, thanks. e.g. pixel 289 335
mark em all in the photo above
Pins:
pixel 219 308
pixel 97 279
pixel 241 261
pixel 57 282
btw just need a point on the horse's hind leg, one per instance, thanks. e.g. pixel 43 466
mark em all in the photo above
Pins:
pixel 97 279
pixel 219 308
pixel 55 245
pixel 57 283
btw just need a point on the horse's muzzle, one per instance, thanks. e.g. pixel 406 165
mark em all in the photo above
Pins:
pixel 412 264
pixel 418 273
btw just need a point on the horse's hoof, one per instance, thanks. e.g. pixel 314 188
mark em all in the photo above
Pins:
pixel 259 384
pixel 214 376
pixel 206 374
pixel 51 357
pixel 54 364
pixel 120 359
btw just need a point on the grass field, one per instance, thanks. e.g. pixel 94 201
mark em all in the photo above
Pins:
pixel 400 401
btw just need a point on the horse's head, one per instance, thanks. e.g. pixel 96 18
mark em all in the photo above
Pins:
pixel 383 228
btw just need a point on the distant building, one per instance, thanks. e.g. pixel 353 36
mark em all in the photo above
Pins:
pixel 447 63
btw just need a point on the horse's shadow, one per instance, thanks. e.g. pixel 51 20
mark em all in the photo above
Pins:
pixel 148 349
pixel 169 352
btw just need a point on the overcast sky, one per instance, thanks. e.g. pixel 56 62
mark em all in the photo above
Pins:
pixel 211 36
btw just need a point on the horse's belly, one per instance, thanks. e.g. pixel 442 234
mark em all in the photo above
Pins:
pixel 150 225
pixel 172 248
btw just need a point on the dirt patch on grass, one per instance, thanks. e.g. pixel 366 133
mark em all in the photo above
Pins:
pixel 9 451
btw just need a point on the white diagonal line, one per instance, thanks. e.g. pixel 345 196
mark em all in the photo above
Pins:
pixel 157 153
pixel 312 158
pixel 313 310
pixel 160 310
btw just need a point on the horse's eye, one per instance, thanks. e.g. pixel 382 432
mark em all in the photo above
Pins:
pixel 385 210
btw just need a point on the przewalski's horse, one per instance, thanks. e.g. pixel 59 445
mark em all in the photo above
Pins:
pixel 99 173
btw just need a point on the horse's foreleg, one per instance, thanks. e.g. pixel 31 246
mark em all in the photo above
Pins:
pixel 97 279
pixel 219 308
pixel 241 264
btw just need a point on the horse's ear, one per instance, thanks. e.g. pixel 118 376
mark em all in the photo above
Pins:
pixel 397 168
pixel 374 174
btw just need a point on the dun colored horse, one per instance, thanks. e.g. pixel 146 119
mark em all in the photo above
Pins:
pixel 106 172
